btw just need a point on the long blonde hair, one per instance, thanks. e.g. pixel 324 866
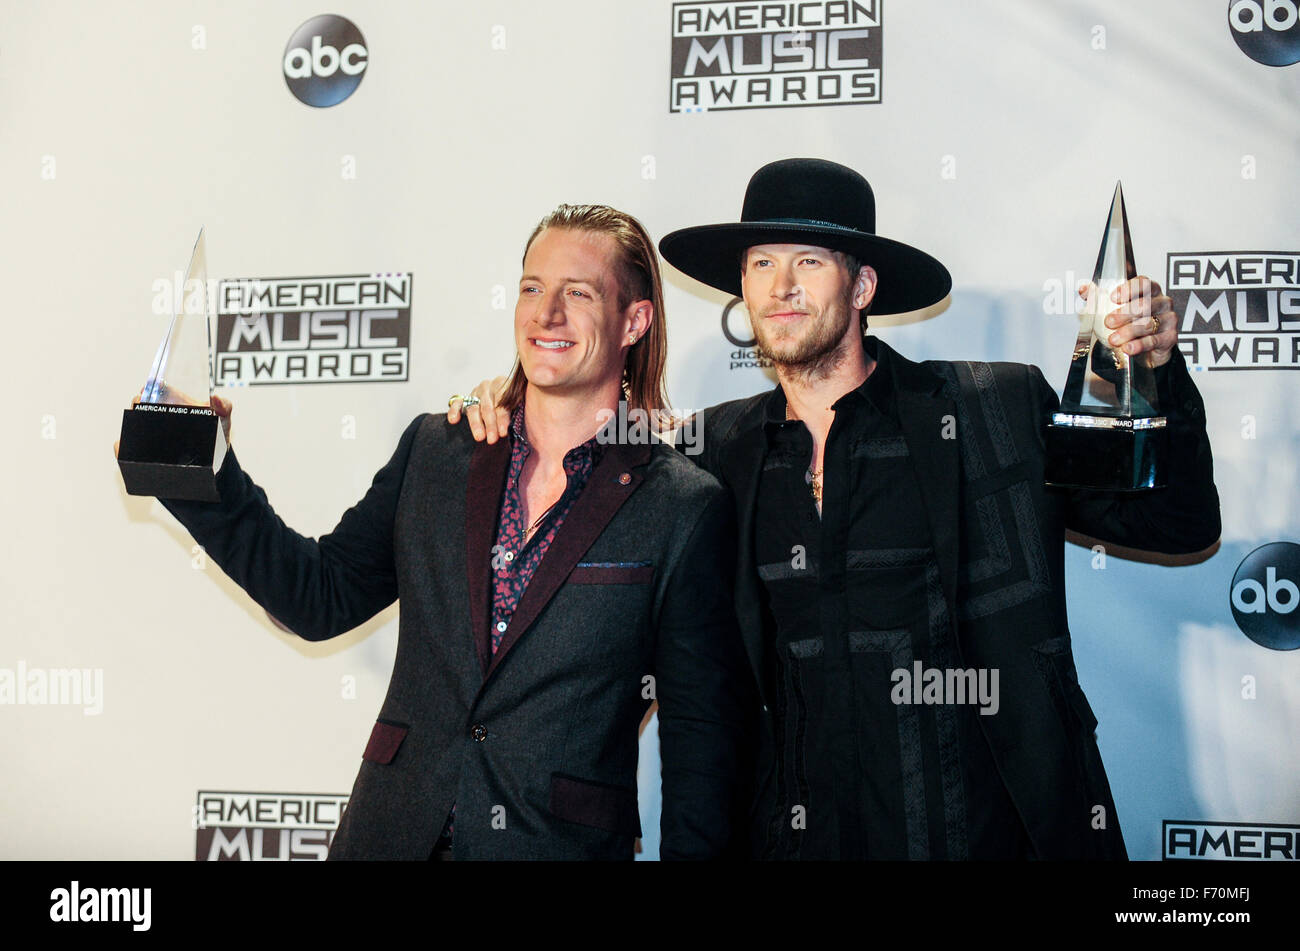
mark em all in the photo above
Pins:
pixel 638 279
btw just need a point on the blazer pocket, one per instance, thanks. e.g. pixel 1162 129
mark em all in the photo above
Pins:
pixel 612 572
pixel 597 805
pixel 385 739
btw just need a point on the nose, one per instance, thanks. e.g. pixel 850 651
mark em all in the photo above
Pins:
pixel 783 283
pixel 550 310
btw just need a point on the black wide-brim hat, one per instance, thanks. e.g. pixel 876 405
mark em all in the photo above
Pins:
pixel 819 203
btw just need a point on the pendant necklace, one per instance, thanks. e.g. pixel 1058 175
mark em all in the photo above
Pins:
pixel 811 476
pixel 528 533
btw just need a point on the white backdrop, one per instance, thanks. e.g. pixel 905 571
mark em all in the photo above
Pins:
pixel 1000 133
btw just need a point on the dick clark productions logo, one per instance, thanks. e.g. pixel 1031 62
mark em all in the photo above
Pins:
pixel 1265 596
pixel 1268 31
pixel 325 60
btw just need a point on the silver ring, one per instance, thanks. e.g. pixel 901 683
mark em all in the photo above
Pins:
pixel 468 401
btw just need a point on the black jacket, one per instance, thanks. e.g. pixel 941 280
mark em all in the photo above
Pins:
pixel 1004 578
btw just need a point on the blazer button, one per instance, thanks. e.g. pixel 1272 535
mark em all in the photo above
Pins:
pixel 479 732
pixel 625 478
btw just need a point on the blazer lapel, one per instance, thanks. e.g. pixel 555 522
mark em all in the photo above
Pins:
pixel 483 488
pixel 926 413
pixel 610 485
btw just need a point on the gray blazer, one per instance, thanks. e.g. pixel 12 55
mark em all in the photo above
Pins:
pixel 536 746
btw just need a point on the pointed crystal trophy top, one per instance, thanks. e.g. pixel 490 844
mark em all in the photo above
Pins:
pixel 1105 381
pixel 181 373
pixel 172 444
pixel 1108 435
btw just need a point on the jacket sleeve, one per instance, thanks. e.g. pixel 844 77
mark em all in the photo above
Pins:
pixel 1182 517
pixel 318 589
pixel 704 689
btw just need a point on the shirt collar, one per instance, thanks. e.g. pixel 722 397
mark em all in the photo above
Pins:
pixel 592 448
pixel 877 389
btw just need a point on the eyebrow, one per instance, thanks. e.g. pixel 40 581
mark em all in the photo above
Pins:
pixel 592 282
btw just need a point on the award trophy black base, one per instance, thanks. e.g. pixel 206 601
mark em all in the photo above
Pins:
pixel 1108 434
pixel 172 446
pixel 1127 456
pixel 170 451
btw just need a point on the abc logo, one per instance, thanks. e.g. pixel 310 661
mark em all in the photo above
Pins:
pixel 1268 31
pixel 735 324
pixel 1266 596
pixel 325 60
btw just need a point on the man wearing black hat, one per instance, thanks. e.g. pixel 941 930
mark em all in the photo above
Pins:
pixel 901 561
pixel 894 521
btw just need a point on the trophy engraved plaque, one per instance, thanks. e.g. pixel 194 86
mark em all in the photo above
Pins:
pixel 1109 434
pixel 172 444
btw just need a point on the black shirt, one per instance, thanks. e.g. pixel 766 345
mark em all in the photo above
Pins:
pixel 854 600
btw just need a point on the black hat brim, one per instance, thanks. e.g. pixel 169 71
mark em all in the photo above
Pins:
pixel 909 279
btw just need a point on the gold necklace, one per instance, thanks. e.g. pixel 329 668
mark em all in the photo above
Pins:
pixel 528 533
pixel 813 478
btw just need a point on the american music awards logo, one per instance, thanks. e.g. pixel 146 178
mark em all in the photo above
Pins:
pixel 1240 310
pixel 265 826
pixel 350 328
pixel 1184 840
pixel 765 55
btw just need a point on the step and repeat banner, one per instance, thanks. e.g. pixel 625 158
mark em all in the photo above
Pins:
pixel 377 168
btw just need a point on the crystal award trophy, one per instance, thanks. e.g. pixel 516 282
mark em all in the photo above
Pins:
pixel 1109 434
pixel 172 443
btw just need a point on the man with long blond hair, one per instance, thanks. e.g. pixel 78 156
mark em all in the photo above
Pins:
pixel 638 280
pixel 552 586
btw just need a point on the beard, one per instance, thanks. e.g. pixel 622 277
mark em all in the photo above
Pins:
pixel 812 349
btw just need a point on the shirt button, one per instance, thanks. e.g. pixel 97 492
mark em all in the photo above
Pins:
pixel 510 556
pixel 479 732
pixel 501 626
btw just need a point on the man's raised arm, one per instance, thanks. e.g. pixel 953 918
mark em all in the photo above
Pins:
pixel 316 589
